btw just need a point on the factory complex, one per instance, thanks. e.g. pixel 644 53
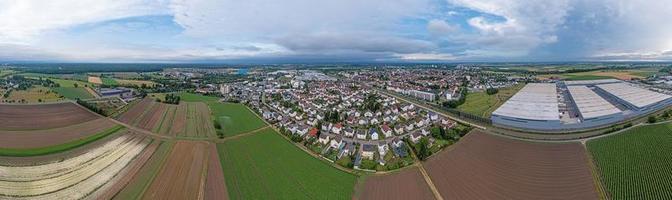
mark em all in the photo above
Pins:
pixel 577 105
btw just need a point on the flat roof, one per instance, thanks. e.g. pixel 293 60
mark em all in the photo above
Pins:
pixel 636 96
pixel 536 101
pixel 590 104
pixel 592 82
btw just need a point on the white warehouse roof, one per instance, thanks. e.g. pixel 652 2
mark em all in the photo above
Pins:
pixel 592 82
pixel 536 101
pixel 634 95
pixel 590 104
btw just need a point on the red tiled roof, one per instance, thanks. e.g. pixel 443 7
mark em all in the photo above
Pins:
pixel 313 132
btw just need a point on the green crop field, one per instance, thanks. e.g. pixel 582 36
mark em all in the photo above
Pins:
pixel 70 83
pixel 109 81
pixel 235 118
pixel 636 164
pixel 266 166
pixel 482 104
pixel 73 93
pixel 60 147
pixel 573 77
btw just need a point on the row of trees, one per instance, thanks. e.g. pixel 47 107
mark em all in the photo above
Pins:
pixel 91 107
pixel 172 99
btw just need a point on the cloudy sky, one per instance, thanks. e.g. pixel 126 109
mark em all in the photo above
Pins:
pixel 337 30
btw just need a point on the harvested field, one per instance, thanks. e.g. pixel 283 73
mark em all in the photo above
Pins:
pixel 483 166
pixel 43 116
pixel 49 137
pixel 55 157
pixel 407 184
pixel 132 114
pixel 199 123
pixel 117 183
pixel 179 120
pixel 215 185
pixel 166 123
pixel 189 119
pixel 95 79
pixel 144 177
pixel 72 178
pixel 183 174
pixel 152 117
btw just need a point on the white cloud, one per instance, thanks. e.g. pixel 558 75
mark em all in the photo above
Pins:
pixel 511 25
pixel 241 18
pixel 626 29
pixel 23 20
pixel 439 28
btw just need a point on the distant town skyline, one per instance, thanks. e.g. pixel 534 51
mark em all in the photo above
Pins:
pixel 335 31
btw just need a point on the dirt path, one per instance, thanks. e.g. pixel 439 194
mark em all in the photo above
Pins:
pixel 242 134
pixel 432 187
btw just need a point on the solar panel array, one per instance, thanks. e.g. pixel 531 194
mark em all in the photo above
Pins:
pixel 536 101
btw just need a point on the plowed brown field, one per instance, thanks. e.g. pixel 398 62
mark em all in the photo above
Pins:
pixel 132 114
pixel 152 117
pixel 179 120
pixel 50 137
pixel 182 176
pixel 45 116
pixel 215 186
pixel 407 184
pixel 483 166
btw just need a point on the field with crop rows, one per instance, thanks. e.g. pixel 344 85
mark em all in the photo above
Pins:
pixel 636 164
pixel 75 177
pixel 189 119
pixel 266 166
pixel 483 166
pixel 44 116
pixel 142 179
pixel 233 117
pixel 182 175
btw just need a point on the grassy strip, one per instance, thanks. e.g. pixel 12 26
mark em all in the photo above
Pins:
pixel 60 147
pixel 144 177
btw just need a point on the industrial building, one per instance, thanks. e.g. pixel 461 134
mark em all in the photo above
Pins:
pixel 535 106
pixel 577 105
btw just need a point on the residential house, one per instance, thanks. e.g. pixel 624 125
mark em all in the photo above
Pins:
pixel 424 132
pixel 349 132
pixel 324 139
pixel 337 142
pixel 373 133
pixel 382 148
pixel 387 131
pixel 368 151
pixel 399 129
pixel 415 137
pixel 337 128
pixel 361 134
pixel 313 132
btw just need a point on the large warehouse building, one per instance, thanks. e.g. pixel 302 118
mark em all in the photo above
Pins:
pixel 535 106
pixel 576 105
